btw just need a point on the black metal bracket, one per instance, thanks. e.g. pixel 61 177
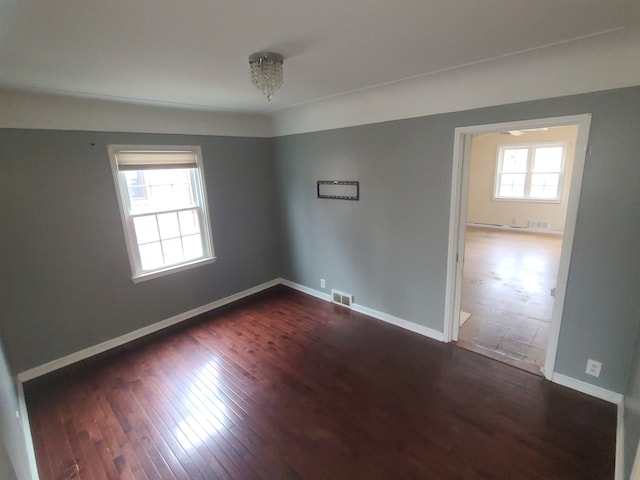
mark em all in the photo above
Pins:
pixel 339 189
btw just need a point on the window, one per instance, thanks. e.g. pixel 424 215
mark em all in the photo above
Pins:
pixel 530 172
pixel 163 206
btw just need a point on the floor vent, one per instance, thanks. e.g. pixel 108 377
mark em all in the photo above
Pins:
pixel 539 224
pixel 341 298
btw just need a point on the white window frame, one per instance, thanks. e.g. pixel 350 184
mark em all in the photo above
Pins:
pixel 531 147
pixel 127 217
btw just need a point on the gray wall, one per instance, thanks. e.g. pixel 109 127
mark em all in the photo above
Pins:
pixel 65 276
pixel 66 283
pixel 390 248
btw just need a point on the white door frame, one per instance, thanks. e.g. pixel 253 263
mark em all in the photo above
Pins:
pixel 458 219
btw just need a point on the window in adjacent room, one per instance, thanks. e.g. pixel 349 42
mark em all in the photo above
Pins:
pixel 163 204
pixel 530 172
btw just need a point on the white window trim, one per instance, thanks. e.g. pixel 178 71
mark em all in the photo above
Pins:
pixel 531 147
pixel 137 274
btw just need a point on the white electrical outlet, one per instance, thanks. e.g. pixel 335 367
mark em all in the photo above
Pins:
pixel 594 367
pixel 322 283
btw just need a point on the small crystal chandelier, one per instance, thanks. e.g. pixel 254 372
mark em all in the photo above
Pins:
pixel 266 72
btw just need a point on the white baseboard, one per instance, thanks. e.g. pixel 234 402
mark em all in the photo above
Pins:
pixel 385 317
pixel 399 322
pixel 26 431
pixel 309 291
pixel 136 334
pixel 584 387
pixel 49 367
pixel 619 471
pixel 515 229
pixel 609 396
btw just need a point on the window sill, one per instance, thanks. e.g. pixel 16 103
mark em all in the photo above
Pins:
pixel 143 277
pixel 526 200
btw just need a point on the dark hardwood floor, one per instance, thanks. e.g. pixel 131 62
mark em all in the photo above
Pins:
pixel 285 386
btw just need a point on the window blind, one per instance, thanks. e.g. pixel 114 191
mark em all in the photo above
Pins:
pixel 149 160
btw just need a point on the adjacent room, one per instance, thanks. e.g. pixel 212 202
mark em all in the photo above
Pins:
pixel 303 240
pixel 518 193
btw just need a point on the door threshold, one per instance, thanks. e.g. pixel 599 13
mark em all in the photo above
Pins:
pixel 501 357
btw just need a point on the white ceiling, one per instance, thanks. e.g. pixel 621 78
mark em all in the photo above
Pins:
pixel 194 52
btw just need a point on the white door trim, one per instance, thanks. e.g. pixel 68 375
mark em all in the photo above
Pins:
pixel 635 471
pixel 458 218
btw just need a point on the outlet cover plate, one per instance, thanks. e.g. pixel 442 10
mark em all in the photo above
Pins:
pixel 593 367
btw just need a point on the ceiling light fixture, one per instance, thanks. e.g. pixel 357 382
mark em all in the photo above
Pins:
pixel 266 72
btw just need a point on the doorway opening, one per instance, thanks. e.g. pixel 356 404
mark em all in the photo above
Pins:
pixel 515 195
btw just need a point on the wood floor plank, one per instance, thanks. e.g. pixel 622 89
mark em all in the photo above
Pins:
pixel 237 401
pixel 190 433
pixel 285 386
pixel 218 407
pixel 163 408
pixel 203 417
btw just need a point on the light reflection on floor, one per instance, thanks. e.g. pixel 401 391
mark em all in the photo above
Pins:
pixel 507 282
pixel 531 282
pixel 207 413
